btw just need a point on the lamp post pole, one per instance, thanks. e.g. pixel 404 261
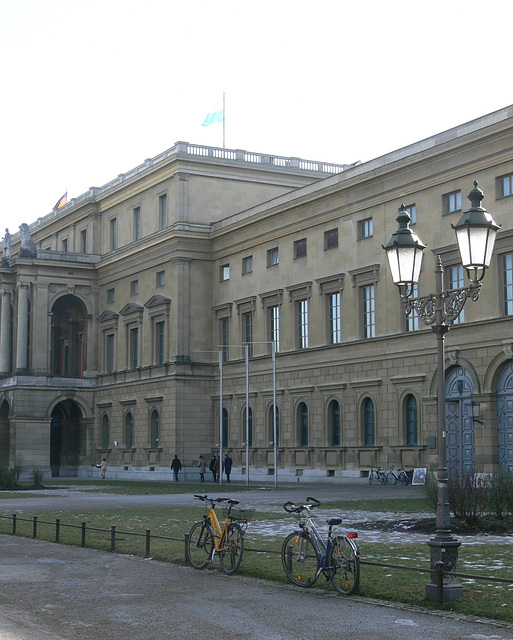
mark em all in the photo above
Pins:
pixel 475 233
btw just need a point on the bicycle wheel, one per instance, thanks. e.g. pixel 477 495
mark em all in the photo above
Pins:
pixel 299 559
pixel 200 544
pixel 403 479
pixel 390 478
pixel 232 546
pixel 345 565
pixel 371 477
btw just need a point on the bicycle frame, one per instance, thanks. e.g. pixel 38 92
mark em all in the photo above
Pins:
pixel 216 529
pixel 322 549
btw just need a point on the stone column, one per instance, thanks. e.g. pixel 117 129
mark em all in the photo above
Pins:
pixel 22 333
pixel 5 333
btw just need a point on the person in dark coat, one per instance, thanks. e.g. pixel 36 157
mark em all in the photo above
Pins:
pixel 176 465
pixel 212 467
pixel 227 466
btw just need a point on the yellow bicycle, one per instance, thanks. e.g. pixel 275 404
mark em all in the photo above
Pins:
pixel 207 538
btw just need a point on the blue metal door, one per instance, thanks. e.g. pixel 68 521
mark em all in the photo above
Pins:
pixel 459 424
pixel 505 417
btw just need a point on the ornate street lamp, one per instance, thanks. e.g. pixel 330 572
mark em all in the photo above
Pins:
pixel 475 233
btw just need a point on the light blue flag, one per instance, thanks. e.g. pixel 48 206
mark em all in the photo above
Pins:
pixel 215 116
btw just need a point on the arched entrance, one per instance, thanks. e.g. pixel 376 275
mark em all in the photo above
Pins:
pixel 68 337
pixel 505 417
pixel 5 439
pixel 65 439
pixel 459 423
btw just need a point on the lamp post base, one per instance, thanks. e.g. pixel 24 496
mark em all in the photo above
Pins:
pixel 445 550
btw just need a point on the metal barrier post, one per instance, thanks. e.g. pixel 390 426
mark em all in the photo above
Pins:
pixel 113 537
pixel 83 533
pixel 186 538
pixel 148 539
pixel 57 529
pixel 34 528
pixel 13 524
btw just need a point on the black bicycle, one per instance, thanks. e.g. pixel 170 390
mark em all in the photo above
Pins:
pixel 305 555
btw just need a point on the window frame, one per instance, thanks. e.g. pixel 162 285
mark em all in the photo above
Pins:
pixel 451 202
pixel 162 212
pixel 137 229
pixel 273 257
pixel 365 228
pixel 331 239
pixel 224 272
pixel 300 248
pixel 247 265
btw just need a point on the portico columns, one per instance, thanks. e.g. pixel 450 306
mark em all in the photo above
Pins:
pixel 5 333
pixel 22 333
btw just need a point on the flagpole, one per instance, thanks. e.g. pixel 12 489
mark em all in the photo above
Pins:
pixel 224 122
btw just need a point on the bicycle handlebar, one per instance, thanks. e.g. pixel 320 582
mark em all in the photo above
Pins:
pixel 290 507
pixel 212 500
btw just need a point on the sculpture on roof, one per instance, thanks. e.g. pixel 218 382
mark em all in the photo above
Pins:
pixel 28 248
pixel 7 247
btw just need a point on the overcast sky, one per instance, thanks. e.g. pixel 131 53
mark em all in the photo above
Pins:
pixel 90 88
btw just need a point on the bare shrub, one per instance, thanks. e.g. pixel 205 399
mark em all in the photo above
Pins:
pixel 38 474
pixel 468 496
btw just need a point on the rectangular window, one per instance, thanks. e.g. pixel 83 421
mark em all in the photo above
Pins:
pixel 330 239
pixel 160 278
pixel 247 331
pixel 109 353
pixel 274 326
pixel 334 318
pixel 110 295
pixel 412 210
pixel 134 287
pixel 302 307
pixel 224 337
pixel 224 272
pixel 273 257
pixel 451 202
pixel 369 312
pixel 65 245
pixel 137 223
pixel 457 281
pixel 163 211
pixel 300 248
pixel 412 319
pixel 159 342
pixel 506 186
pixel 247 265
pixel 83 241
pixel 507 261
pixel 134 348
pixel 365 228
pixel 113 234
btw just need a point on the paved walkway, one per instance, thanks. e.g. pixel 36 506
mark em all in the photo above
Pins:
pixel 55 592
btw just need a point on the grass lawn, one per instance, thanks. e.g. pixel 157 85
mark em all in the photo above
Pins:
pixel 262 560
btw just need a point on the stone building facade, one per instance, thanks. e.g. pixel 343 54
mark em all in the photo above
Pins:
pixel 144 323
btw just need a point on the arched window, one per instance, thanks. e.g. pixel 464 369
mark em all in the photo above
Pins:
pixel 411 420
pixel 302 414
pixel 105 432
pixel 271 427
pixel 368 423
pixel 334 422
pixel 154 429
pixel 249 426
pixel 225 428
pixel 129 430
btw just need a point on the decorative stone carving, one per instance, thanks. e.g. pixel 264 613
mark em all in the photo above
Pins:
pixel 28 248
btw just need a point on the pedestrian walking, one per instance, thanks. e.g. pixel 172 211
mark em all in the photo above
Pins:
pixel 103 468
pixel 176 465
pixel 227 466
pixel 214 467
pixel 202 465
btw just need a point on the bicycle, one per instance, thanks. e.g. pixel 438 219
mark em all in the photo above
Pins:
pixel 400 476
pixel 305 555
pixel 208 538
pixel 376 474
